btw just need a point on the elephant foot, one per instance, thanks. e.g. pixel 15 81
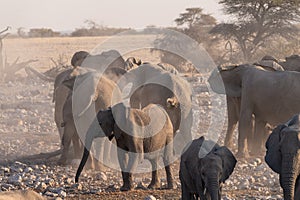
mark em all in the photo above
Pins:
pixel 154 185
pixel 171 186
pixel 62 161
pixel 125 188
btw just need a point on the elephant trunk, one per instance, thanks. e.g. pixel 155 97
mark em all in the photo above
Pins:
pixel 86 153
pixel 288 176
pixel 213 187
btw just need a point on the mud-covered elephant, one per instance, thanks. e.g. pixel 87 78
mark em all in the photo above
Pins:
pixel 204 167
pixel 291 63
pixel 283 156
pixel 267 63
pixel 153 85
pixel 91 92
pixel 146 133
pixel 272 97
pixel 61 92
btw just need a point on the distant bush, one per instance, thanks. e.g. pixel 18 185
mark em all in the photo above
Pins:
pixel 101 31
pixel 42 32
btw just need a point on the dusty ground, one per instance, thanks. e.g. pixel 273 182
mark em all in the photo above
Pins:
pixel 27 127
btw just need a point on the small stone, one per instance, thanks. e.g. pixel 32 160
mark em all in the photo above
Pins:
pixel 5 169
pixel 15 179
pixel 28 170
pixel 77 186
pixel 42 186
pixel 68 181
pixel 150 197
pixel 102 176
pixel 62 193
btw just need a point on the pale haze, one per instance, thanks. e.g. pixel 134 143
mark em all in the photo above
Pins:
pixel 64 15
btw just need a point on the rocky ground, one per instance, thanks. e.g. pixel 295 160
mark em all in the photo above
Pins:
pixel 27 127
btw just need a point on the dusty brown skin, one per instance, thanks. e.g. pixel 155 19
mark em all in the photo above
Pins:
pixel 159 144
pixel 20 195
pixel 154 85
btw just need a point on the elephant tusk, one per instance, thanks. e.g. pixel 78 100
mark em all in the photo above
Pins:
pixel 86 108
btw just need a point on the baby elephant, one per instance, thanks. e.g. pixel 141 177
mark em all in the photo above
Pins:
pixel 204 167
pixel 146 133
pixel 283 156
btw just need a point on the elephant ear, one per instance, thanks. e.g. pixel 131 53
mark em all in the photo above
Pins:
pixel 225 80
pixel 273 156
pixel 228 162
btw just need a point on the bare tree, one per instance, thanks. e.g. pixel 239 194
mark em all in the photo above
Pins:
pixel 7 71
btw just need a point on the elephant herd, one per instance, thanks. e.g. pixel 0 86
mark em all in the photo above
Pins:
pixel 145 110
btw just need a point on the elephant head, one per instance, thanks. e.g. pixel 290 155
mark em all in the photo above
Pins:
pixel 283 154
pixel 292 63
pixel 78 58
pixel 227 79
pixel 215 168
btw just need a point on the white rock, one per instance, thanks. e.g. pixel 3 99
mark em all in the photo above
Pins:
pixel 150 197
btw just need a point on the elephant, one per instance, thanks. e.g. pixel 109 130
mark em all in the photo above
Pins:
pixel 138 136
pixel 153 85
pixel 283 156
pixel 61 92
pixel 234 103
pixel 272 97
pixel 291 63
pixel 267 63
pixel 91 92
pixel 204 166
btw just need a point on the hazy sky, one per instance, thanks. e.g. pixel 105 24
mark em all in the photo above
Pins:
pixel 70 14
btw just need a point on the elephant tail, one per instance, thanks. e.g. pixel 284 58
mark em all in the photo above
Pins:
pixel 85 156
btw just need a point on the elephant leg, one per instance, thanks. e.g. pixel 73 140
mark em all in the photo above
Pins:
pixel 245 128
pixel 66 142
pixel 233 111
pixel 155 180
pixel 126 176
pixel 186 195
pixel 256 144
pixel 185 134
pixel 167 159
pixel 98 154
pixel 78 146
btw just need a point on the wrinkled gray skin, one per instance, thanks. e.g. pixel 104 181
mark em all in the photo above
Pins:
pixel 283 156
pixel 233 113
pixel 61 91
pixel 291 63
pixel 136 141
pixel 203 177
pixel 154 85
pixel 273 97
